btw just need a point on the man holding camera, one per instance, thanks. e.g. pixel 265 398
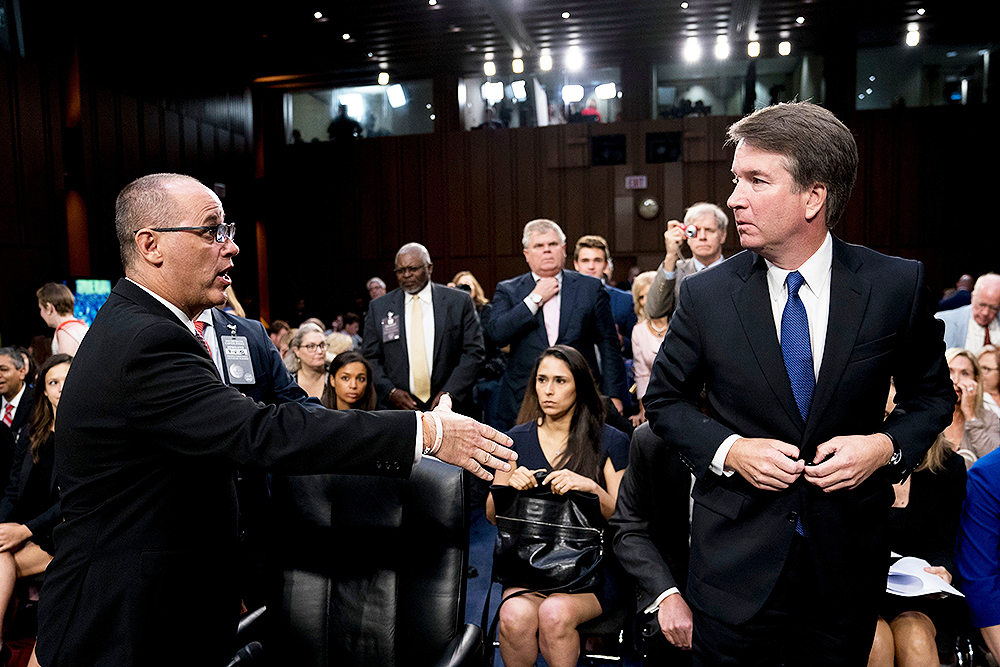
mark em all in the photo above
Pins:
pixel 704 230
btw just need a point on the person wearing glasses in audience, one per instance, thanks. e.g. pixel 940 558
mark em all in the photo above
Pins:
pixel 309 350
pixel 423 339
pixel 989 364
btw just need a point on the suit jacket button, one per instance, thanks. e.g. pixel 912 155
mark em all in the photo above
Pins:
pixel 793 517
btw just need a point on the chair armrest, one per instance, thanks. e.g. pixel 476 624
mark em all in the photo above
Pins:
pixel 465 650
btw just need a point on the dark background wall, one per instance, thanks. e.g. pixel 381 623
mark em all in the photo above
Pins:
pixel 337 217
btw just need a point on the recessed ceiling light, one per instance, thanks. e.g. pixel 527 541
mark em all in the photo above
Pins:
pixel 913 38
pixel 684 5
pixel 490 68
pixel 565 15
pixel 383 78
pixel 317 15
pixel 871 78
pixel 383 65
pixel 861 96
pixel 433 117
pixel 432 3
pixel 545 62
pixel 517 66
pixel 910 27
pixel 574 58
pixel 951 54
pixel 753 49
pixel 868 90
pixel 784 48
pixel 346 36
pixel 800 20
pixel 921 11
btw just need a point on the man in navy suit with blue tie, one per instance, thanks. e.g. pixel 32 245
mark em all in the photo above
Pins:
pixel 591 258
pixel 794 342
pixel 549 306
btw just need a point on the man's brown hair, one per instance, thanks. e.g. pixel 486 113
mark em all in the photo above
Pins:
pixel 58 295
pixel 591 241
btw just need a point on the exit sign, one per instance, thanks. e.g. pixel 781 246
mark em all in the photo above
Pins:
pixel 636 183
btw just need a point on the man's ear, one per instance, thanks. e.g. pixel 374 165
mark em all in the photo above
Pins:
pixel 147 244
pixel 815 200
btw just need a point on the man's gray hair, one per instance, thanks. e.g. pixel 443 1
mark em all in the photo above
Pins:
pixel 376 281
pixel 816 146
pixel 15 356
pixel 986 279
pixel 700 209
pixel 541 226
pixel 415 249
pixel 145 202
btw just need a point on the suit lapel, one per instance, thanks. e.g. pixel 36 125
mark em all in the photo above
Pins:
pixel 524 289
pixel 753 307
pixel 399 310
pixel 848 302
pixel 220 323
pixel 440 322
pixel 567 292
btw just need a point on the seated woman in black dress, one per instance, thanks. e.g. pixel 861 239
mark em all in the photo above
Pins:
pixel 30 510
pixel 923 523
pixel 560 429
pixel 349 385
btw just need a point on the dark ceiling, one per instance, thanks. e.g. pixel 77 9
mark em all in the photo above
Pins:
pixel 283 44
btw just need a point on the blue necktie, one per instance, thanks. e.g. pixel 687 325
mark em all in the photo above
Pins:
pixel 795 348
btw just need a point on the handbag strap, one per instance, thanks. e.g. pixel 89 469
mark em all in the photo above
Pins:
pixel 488 649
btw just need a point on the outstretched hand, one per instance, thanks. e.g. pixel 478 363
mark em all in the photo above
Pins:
pixel 468 444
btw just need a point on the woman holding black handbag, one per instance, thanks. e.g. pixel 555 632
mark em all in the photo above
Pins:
pixel 560 430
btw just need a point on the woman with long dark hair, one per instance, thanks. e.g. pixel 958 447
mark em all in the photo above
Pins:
pixel 561 430
pixel 30 510
pixel 350 384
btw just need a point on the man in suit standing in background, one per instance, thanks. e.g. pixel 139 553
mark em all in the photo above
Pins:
pixel 549 306
pixel 591 258
pixel 794 343
pixel 704 231
pixel 422 339
pixel 977 324
pixel 147 487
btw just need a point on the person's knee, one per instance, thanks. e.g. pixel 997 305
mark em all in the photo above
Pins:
pixel 556 617
pixel 883 647
pixel 518 618
pixel 914 632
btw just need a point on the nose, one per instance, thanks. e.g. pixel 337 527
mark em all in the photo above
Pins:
pixel 231 249
pixel 736 198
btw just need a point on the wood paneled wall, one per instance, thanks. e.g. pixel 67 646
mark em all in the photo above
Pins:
pixel 337 218
pixel 117 138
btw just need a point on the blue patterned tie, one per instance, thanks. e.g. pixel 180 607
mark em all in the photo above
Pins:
pixel 795 348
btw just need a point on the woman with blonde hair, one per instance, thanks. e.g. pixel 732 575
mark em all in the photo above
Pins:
pixel 478 295
pixel 989 364
pixel 974 431
pixel 647 336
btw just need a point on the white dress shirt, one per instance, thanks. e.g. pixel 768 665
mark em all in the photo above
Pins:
pixel 14 401
pixel 558 297
pixel 427 309
pixel 975 338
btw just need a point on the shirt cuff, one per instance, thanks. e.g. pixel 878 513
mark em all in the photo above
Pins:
pixel 669 275
pixel 718 465
pixel 419 446
pixel 663 596
pixel 532 306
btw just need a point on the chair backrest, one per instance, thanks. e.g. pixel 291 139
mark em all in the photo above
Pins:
pixel 372 569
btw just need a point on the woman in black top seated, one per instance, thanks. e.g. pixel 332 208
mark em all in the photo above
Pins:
pixel 30 509
pixel 923 523
pixel 560 429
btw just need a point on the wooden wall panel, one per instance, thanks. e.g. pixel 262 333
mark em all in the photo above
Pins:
pixel 478 221
pixel 10 232
pixel 131 142
pixel 502 202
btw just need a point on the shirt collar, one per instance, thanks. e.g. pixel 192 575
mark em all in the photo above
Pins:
pixel 701 267
pixel 424 294
pixel 185 320
pixel 16 401
pixel 536 277
pixel 815 271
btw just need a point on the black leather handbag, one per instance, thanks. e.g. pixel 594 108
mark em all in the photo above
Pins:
pixel 548 541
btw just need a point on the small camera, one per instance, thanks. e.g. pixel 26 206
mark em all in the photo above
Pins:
pixel 690 231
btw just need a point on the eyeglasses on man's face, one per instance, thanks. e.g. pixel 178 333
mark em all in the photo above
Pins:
pixel 225 231
pixel 312 347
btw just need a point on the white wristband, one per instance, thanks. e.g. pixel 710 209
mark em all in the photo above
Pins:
pixel 438 435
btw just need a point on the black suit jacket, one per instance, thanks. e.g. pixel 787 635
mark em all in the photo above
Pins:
pixel 722 338
pixel 150 438
pixel 585 322
pixel 651 518
pixel 458 344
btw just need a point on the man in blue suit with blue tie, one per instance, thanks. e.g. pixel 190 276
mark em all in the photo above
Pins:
pixel 549 306
pixel 591 257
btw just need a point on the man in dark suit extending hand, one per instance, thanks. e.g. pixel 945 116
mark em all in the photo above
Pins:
pixel 415 362
pixel 794 342
pixel 153 438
